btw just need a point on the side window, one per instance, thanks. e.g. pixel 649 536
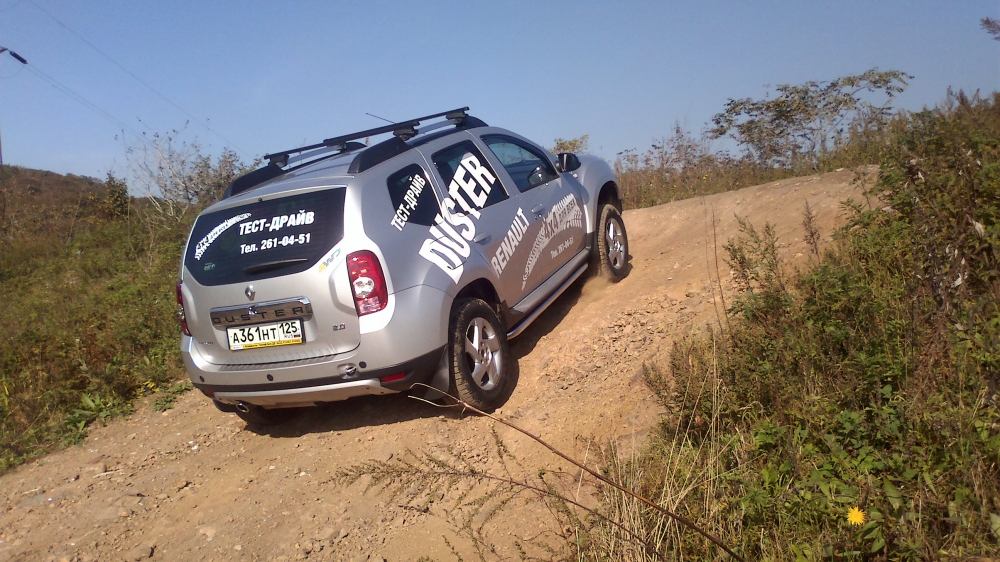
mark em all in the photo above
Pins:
pixel 412 198
pixel 526 166
pixel 468 178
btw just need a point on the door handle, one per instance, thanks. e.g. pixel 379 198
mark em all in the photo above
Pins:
pixel 538 211
pixel 481 238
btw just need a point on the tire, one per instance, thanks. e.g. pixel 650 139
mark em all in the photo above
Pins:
pixel 612 245
pixel 263 417
pixel 479 355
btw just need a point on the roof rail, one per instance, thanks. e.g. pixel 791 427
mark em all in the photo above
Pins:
pixel 404 130
pixel 394 146
pixel 366 158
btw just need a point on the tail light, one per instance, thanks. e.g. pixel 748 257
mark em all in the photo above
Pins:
pixel 393 378
pixel 367 282
pixel 180 310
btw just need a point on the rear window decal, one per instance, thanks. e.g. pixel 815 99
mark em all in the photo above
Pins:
pixel 205 242
pixel 261 239
pixel 409 203
pixel 413 202
pixel 565 214
pixel 294 219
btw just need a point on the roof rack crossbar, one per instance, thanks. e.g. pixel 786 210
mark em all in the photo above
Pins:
pixel 402 129
pixel 434 127
pixel 309 154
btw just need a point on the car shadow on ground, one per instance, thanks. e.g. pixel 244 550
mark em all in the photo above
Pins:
pixel 374 411
pixel 555 314
pixel 354 413
pixel 548 321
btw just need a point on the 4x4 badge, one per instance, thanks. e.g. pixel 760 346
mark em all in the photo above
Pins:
pixel 249 292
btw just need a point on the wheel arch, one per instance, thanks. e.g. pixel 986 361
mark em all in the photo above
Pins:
pixel 484 290
pixel 609 194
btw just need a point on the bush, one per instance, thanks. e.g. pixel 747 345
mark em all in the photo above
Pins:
pixel 807 122
pixel 851 411
pixel 87 278
pixel 808 128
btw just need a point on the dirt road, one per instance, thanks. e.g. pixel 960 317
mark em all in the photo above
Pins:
pixel 193 483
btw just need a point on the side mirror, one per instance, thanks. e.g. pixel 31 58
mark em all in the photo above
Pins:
pixel 568 162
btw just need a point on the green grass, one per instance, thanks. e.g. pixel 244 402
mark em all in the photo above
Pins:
pixel 86 305
pixel 868 381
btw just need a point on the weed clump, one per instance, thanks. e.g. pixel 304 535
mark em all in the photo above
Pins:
pixel 87 276
pixel 851 410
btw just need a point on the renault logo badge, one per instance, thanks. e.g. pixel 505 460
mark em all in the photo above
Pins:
pixel 249 292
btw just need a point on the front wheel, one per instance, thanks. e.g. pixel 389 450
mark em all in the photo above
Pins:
pixel 480 356
pixel 612 245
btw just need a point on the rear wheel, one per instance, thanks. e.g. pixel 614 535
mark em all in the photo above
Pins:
pixel 612 245
pixel 480 356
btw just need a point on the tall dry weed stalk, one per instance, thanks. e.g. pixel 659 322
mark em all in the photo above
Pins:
pixel 421 474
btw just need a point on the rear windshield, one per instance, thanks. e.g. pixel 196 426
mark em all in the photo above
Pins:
pixel 266 238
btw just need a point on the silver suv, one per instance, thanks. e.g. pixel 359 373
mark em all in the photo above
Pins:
pixel 341 269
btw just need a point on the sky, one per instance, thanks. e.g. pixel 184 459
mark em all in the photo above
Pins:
pixel 260 77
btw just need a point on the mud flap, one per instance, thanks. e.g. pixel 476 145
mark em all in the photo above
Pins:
pixel 441 381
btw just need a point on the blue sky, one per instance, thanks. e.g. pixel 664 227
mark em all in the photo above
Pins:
pixel 272 75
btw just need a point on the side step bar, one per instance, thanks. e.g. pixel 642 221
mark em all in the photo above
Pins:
pixel 523 325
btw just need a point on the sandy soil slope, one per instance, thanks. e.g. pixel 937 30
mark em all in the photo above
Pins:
pixel 193 483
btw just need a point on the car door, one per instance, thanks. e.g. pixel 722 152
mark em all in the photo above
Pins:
pixel 555 208
pixel 478 213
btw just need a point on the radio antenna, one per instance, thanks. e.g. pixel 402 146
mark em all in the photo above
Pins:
pixel 377 117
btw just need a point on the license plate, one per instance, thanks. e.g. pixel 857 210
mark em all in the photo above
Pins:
pixel 273 334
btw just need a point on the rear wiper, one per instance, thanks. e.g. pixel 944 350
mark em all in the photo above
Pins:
pixel 272 265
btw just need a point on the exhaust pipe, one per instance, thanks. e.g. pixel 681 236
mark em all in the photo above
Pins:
pixel 243 406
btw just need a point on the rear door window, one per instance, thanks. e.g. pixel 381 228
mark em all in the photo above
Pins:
pixel 265 238
pixel 468 176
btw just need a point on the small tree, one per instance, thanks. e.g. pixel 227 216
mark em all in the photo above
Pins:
pixel 577 145
pixel 116 200
pixel 991 26
pixel 176 176
pixel 807 121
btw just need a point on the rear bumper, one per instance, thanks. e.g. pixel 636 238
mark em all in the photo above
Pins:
pixel 295 397
pixel 412 344
pixel 329 389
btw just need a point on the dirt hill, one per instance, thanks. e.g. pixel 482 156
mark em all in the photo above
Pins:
pixel 193 483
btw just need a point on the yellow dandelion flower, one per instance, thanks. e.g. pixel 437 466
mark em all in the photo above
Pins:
pixel 855 516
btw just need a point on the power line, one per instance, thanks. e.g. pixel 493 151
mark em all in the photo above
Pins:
pixel 140 80
pixel 69 92
pixel 83 101
pixel 16 72
pixel 12 6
